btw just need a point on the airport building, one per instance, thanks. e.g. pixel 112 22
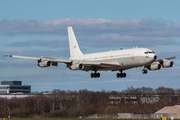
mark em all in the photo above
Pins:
pixel 169 112
pixel 12 87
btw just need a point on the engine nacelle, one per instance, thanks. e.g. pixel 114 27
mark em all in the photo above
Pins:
pixel 44 64
pixel 154 66
pixel 167 63
pixel 78 66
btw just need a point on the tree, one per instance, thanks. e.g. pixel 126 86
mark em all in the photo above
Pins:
pixel 165 91
pixel 89 110
pixel 112 110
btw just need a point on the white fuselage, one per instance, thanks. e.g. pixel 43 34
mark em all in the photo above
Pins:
pixel 127 58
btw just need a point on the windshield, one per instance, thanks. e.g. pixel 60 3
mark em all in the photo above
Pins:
pixel 149 52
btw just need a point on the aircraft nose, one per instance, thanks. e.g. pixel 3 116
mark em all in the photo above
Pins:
pixel 155 57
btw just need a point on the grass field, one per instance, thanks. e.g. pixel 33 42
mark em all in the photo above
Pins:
pixel 43 119
pixel 65 119
pixel 58 119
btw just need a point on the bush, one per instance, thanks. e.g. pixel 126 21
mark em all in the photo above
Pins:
pixel 56 114
pixel 89 110
pixel 112 110
pixel 20 113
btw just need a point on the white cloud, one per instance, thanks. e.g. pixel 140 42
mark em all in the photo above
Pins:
pixel 124 41
pixel 12 50
pixel 35 53
pixel 145 27
pixel 41 43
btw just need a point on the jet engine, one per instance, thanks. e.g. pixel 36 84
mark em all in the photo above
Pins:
pixel 166 63
pixel 77 66
pixel 44 64
pixel 154 66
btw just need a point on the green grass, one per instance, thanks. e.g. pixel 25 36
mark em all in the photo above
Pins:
pixel 66 119
pixel 53 119
pixel 39 119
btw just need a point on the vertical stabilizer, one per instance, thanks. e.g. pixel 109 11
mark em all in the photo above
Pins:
pixel 73 45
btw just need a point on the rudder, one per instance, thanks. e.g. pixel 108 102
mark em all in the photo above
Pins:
pixel 73 45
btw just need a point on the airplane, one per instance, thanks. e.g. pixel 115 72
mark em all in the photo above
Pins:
pixel 117 60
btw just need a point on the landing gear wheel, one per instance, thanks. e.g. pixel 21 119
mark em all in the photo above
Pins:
pixel 124 75
pixel 98 75
pixel 95 75
pixel 92 75
pixel 118 75
pixel 144 71
pixel 121 75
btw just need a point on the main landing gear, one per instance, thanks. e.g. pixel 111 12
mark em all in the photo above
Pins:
pixel 144 71
pixel 95 75
pixel 121 75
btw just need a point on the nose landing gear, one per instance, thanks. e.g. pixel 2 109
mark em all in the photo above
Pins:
pixel 144 71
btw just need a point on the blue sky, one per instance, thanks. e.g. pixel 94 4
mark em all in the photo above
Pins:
pixel 39 28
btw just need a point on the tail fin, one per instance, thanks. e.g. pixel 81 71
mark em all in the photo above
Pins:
pixel 73 45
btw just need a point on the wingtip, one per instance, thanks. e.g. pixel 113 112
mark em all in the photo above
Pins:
pixel 8 56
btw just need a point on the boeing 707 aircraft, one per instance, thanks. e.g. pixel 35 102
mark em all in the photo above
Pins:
pixel 118 60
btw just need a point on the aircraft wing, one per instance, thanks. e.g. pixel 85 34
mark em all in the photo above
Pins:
pixel 67 61
pixel 169 58
pixel 100 63
pixel 92 63
pixel 23 57
pixel 44 58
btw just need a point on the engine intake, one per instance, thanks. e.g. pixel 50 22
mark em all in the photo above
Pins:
pixel 44 64
pixel 77 66
pixel 167 63
pixel 154 66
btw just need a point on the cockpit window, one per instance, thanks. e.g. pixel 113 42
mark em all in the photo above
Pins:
pixel 148 52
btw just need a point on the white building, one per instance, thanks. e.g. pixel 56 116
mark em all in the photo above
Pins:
pixel 9 87
pixel 168 112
